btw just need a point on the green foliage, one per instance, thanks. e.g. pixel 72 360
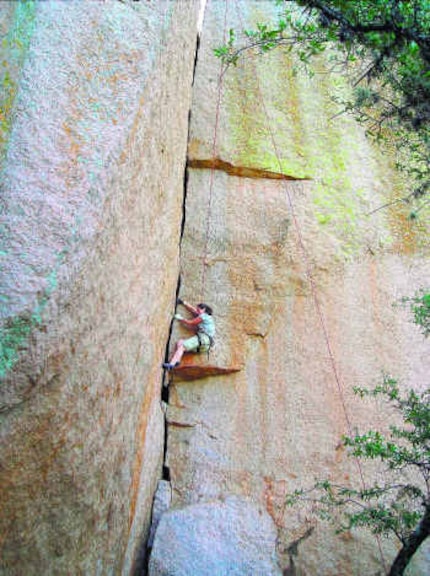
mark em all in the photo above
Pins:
pixel 384 49
pixel 226 52
pixel 420 308
pixel 408 445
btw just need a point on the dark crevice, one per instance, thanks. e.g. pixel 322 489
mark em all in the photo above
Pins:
pixel 293 551
pixel 166 473
pixel 196 58
pixel 167 376
pixel 165 394
pixel 166 437
pixel 184 204
pixel 240 171
pixel 167 379
pixel 185 181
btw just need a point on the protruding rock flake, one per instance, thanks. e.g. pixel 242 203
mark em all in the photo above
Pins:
pixel 199 371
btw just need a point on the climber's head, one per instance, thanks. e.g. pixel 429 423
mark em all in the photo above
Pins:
pixel 205 308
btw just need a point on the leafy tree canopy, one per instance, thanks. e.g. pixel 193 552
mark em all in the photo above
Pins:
pixel 384 48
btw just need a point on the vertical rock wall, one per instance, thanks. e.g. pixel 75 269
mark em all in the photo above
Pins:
pixel 251 243
pixel 95 105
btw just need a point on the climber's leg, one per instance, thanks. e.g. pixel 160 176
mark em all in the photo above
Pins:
pixel 189 345
pixel 178 353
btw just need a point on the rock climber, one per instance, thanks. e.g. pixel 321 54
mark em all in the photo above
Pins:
pixel 204 326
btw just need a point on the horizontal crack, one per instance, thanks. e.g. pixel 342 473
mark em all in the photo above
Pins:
pixel 241 171
pixel 177 424
pixel 257 334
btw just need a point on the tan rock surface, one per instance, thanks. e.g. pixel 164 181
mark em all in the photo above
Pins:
pixel 249 249
pixel 92 185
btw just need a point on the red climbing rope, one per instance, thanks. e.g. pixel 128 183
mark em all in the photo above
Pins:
pixel 214 150
pixel 311 280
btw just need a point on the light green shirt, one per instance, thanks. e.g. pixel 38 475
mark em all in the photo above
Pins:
pixel 207 325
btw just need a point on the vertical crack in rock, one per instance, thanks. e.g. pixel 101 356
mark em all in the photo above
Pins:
pixel 166 378
pixel 184 202
pixel 185 187
pixel 158 510
pixel 293 550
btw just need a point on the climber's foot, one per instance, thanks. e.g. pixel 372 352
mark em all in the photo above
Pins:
pixel 169 366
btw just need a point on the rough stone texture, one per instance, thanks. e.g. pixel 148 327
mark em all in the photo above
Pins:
pixel 93 157
pixel 249 246
pixel 162 501
pixel 226 538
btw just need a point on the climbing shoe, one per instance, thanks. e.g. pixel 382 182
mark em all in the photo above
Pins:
pixel 168 366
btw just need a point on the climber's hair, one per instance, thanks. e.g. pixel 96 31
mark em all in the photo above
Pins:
pixel 206 308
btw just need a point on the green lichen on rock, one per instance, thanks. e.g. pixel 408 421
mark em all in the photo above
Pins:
pixel 15 332
pixel 13 337
pixel 13 50
pixel 281 121
pixel 288 121
pixel 254 123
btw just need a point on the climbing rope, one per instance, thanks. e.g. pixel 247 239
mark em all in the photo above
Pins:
pixel 312 284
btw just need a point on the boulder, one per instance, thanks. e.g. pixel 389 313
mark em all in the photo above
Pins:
pixel 233 537
pixel 162 501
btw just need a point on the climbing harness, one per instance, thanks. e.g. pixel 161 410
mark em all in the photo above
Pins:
pixel 203 344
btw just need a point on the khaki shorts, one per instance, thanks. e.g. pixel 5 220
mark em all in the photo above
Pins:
pixel 193 344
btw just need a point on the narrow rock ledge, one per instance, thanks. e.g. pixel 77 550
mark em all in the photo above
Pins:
pixel 197 371
pixel 241 171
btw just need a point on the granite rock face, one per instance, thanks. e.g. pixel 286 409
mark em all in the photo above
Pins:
pixel 226 538
pixel 93 149
pixel 279 240
pixel 277 237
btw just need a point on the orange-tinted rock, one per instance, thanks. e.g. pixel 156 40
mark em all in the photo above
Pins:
pixel 91 217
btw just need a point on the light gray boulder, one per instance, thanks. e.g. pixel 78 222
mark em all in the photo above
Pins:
pixel 232 537
pixel 162 501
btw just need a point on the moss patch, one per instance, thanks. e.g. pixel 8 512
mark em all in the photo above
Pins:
pixel 288 122
pixel 13 50
pixel 16 331
pixel 12 339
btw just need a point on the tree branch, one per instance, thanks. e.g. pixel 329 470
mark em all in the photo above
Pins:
pixel 411 544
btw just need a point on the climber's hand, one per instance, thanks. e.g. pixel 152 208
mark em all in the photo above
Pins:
pixel 178 317
pixel 179 301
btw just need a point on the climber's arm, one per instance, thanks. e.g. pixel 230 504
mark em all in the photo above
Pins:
pixel 191 323
pixel 189 307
